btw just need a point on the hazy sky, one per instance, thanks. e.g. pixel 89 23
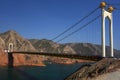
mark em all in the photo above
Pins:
pixel 48 18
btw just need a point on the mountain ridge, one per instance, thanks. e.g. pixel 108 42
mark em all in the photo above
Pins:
pixel 19 42
pixel 44 45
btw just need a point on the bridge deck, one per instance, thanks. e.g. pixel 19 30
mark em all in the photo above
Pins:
pixel 73 56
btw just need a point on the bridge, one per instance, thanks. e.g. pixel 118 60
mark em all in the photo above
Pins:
pixel 64 55
pixel 105 14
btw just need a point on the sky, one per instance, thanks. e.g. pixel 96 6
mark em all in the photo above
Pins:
pixel 45 19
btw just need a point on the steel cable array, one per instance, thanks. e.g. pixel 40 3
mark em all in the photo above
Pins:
pixel 79 29
pixel 74 25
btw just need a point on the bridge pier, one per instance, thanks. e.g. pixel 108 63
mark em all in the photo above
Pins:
pixel 10 60
pixel 10 55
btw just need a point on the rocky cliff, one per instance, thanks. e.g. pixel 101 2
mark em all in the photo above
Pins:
pixel 106 69
pixel 20 44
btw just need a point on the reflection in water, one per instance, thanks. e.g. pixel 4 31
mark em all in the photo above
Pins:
pixel 10 74
pixel 49 72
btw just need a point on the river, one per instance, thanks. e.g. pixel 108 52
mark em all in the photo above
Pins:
pixel 51 71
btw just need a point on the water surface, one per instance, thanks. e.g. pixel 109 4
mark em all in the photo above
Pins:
pixel 49 72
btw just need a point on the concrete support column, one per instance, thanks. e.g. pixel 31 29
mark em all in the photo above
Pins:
pixel 111 37
pixel 107 14
pixel 10 55
pixel 103 34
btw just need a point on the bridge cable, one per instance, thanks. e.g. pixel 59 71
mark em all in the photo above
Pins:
pixel 79 29
pixel 117 4
pixel 75 24
pixel 117 8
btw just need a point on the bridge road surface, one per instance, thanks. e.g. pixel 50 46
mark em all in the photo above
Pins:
pixel 72 56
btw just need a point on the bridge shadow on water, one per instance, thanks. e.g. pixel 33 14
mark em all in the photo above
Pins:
pixel 18 74
pixel 14 73
pixel 10 60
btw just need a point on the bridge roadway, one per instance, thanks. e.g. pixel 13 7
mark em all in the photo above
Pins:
pixel 72 56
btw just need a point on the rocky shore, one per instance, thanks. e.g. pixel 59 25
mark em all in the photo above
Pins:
pixel 21 60
pixel 106 69
pixel 66 60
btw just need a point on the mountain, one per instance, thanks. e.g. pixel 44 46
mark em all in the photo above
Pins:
pixel 44 45
pixel 91 49
pixel 85 48
pixel 88 49
pixel 20 44
pixel 2 43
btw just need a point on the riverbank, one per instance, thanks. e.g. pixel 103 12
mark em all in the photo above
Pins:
pixel 35 60
pixel 67 60
pixel 98 71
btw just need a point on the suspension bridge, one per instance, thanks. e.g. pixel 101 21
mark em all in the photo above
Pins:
pixel 106 13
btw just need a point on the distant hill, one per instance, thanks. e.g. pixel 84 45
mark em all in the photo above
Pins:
pixel 19 42
pixel 2 43
pixel 89 49
pixel 45 45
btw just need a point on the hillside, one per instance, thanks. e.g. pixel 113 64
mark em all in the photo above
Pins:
pixel 91 49
pixel 2 43
pixel 106 69
pixel 88 49
pixel 44 45
pixel 20 44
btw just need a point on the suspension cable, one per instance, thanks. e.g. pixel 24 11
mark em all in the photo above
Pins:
pixel 117 4
pixel 79 29
pixel 75 24
pixel 117 8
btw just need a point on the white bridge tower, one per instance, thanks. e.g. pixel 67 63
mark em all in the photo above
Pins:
pixel 107 14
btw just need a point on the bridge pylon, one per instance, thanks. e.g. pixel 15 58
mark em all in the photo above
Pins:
pixel 10 47
pixel 107 14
